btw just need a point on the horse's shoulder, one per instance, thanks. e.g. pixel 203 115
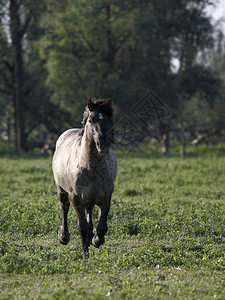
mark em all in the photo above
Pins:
pixel 73 133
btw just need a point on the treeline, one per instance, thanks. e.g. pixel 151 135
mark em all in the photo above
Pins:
pixel 55 54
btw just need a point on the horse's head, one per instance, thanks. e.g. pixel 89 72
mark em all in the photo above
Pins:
pixel 97 121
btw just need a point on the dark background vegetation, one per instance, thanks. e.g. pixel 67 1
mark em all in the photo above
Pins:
pixel 54 55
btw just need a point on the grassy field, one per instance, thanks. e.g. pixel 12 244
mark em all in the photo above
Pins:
pixel 166 231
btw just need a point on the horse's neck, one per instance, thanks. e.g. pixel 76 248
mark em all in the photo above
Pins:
pixel 88 157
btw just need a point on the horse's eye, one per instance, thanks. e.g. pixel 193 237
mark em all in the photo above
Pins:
pixel 90 121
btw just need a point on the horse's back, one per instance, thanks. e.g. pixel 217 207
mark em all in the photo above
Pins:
pixel 68 136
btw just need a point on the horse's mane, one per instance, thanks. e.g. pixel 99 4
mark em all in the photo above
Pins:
pixel 102 105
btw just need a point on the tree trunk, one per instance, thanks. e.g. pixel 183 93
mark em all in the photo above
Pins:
pixel 16 37
pixel 8 124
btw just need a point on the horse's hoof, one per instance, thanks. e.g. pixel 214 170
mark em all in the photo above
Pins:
pixel 97 241
pixel 64 236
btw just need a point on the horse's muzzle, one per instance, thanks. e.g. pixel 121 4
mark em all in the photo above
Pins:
pixel 102 148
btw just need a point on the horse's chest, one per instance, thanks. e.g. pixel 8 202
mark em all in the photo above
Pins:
pixel 91 191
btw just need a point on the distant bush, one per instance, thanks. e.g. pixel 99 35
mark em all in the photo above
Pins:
pixel 6 147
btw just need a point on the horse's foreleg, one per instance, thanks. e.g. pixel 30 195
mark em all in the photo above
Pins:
pixel 90 225
pixel 63 233
pixel 102 227
pixel 82 222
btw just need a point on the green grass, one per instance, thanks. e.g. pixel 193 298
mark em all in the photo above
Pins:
pixel 166 233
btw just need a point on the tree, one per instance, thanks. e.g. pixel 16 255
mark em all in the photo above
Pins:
pixel 75 50
pixel 13 76
pixel 193 33
pixel 123 49
pixel 22 84
pixel 5 78
pixel 17 31
pixel 82 48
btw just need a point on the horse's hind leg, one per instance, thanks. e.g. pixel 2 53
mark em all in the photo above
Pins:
pixel 102 227
pixel 82 222
pixel 63 233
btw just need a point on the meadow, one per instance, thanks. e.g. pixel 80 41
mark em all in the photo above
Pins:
pixel 166 233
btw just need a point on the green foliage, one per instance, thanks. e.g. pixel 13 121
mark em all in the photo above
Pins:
pixel 120 49
pixel 6 147
pixel 165 239
pixel 79 49
pixel 107 48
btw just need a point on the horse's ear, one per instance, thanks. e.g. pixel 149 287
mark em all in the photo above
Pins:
pixel 109 100
pixel 90 104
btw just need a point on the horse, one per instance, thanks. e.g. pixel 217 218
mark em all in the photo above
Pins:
pixel 85 167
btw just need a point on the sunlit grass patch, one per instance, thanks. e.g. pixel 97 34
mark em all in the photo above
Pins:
pixel 166 233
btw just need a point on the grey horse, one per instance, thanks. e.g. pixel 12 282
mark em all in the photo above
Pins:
pixel 85 167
